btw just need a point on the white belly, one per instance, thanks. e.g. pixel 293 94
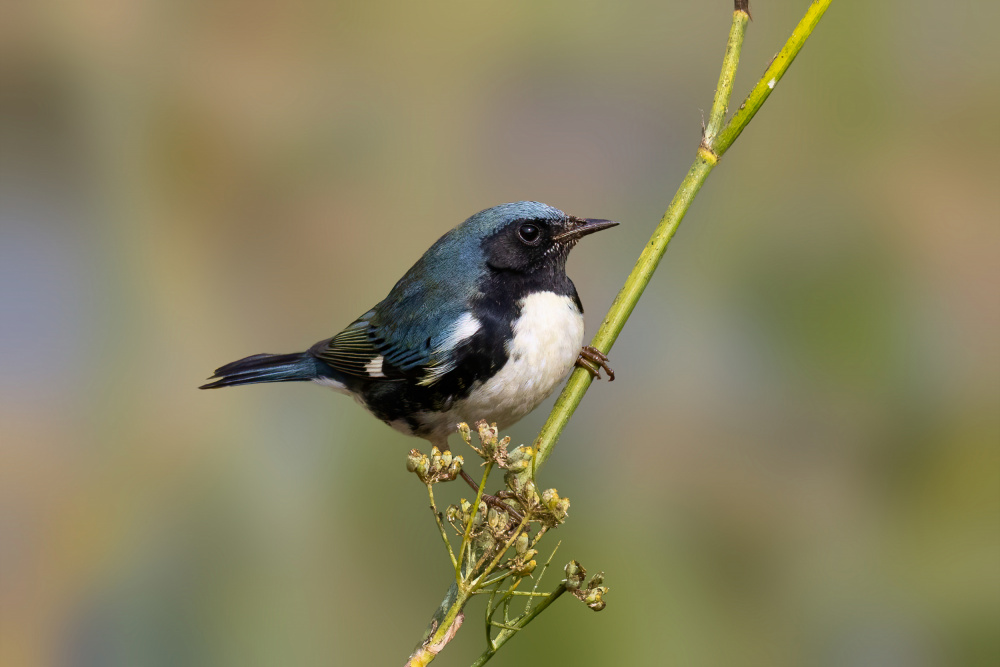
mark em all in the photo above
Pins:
pixel 545 347
pixel 543 351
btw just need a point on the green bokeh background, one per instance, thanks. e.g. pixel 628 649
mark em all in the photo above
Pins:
pixel 799 463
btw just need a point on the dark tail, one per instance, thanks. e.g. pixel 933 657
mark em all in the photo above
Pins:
pixel 297 367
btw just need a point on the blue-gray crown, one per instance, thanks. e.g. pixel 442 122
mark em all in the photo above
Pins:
pixel 491 220
pixel 458 255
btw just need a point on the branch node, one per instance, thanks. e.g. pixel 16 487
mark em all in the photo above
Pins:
pixel 708 155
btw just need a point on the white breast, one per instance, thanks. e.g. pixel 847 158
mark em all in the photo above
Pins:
pixel 545 346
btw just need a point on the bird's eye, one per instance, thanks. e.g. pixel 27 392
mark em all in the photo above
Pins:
pixel 530 233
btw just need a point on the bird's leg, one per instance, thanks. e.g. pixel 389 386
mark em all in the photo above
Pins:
pixel 593 360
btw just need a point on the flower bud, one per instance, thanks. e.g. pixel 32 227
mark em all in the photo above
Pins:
pixel 526 569
pixel 488 435
pixel 575 574
pixel 512 482
pixel 595 598
pixel 520 458
pixel 523 452
pixel 521 544
pixel 561 509
pixel 530 493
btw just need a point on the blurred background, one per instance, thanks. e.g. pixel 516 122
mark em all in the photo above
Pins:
pixel 799 462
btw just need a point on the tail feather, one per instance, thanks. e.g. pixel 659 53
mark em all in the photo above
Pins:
pixel 296 367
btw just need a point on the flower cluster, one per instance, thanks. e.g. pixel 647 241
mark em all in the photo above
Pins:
pixel 439 467
pixel 593 594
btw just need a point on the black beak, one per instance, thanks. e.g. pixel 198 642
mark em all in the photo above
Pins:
pixel 580 227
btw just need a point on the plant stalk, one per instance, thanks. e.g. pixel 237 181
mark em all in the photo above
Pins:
pixel 771 77
pixel 720 105
pixel 513 630
pixel 711 149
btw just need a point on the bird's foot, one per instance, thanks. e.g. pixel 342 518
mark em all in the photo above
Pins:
pixel 493 501
pixel 593 360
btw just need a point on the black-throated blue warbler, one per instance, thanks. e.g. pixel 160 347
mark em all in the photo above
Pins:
pixel 484 326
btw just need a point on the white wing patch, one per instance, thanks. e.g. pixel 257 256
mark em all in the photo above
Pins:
pixel 374 367
pixel 461 330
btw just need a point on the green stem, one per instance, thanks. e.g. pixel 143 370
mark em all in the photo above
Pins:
pixel 444 534
pixel 741 15
pixel 505 599
pixel 489 582
pixel 623 304
pixel 475 584
pixel 472 519
pixel 707 157
pixel 518 625
pixel 538 579
pixel 489 616
pixel 444 624
pixel 771 77
pixel 514 593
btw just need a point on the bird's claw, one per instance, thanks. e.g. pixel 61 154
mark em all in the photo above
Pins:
pixel 593 360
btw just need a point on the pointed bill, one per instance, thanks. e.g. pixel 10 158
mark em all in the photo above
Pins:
pixel 580 227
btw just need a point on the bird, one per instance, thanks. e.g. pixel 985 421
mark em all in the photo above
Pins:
pixel 484 326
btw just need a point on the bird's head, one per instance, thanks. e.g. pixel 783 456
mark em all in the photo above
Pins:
pixel 528 237
pixel 527 242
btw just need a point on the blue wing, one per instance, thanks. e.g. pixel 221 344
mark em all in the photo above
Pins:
pixel 396 341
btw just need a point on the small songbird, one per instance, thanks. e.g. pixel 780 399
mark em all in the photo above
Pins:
pixel 484 326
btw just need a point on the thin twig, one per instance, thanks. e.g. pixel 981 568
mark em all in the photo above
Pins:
pixel 472 518
pixel 741 15
pixel 489 614
pixel 514 593
pixel 474 584
pixel 444 533
pixel 771 77
pixel 503 637
pixel 489 582
pixel 538 579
